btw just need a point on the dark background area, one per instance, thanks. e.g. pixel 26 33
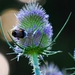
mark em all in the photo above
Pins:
pixel 58 11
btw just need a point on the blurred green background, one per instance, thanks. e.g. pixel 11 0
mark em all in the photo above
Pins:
pixel 58 11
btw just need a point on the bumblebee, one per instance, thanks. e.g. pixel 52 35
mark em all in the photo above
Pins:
pixel 19 33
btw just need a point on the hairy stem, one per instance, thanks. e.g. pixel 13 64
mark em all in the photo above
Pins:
pixel 35 63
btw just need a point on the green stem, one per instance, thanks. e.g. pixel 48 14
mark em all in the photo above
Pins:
pixel 71 56
pixel 35 63
pixel 62 27
pixel 4 34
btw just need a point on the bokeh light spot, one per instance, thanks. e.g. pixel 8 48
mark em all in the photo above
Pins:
pixel 42 2
pixel 4 66
pixel 8 21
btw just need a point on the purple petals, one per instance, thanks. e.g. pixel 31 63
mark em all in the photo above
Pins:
pixel 32 9
pixel 48 30
pixel 37 37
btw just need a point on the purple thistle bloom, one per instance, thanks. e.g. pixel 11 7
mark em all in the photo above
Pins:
pixel 51 70
pixel 33 21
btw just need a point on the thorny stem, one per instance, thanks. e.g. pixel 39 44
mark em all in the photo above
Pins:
pixel 73 68
pixel 35 63
pixel 4 35
pixel 62 27
pixel 71 56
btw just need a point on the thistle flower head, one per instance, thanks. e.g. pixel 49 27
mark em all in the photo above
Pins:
pixel 34 32
pixel 51 70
